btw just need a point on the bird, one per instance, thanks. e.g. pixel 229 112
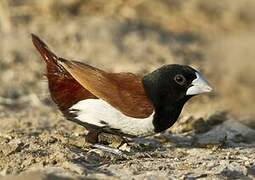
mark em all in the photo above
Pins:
pixel 121 103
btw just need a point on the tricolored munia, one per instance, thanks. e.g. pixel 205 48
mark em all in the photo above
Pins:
pixel 119 103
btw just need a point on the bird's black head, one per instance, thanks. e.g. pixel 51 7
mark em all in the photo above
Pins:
pixel 169 87
pixel 174 83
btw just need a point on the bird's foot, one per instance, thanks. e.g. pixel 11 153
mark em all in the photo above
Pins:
pixel 114 144
pixel 107 143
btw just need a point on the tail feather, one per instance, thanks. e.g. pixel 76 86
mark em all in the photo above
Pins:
pixel 51 59
pixel 64 89
pixel 44 50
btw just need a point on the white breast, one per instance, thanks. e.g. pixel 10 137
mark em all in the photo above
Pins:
pixel 99 113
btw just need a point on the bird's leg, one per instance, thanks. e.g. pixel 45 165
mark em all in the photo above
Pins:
pixel 124 144
pixel 108 142
pixel 115 144
pixel 111 140
pixel 92 137
pixel 104 142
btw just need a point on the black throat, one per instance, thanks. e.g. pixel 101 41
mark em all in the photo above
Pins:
pixel 166 115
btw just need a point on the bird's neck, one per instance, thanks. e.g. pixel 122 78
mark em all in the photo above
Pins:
pixel 166 115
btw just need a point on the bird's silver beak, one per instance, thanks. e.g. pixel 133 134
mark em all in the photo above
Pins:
pixel 198 86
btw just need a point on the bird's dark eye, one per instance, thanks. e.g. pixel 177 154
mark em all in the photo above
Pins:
pixel 180 79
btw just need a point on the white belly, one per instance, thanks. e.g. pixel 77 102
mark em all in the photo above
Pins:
pixel 99 113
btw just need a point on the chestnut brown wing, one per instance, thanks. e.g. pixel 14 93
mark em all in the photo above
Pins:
pixel 124 91
pixel 64 89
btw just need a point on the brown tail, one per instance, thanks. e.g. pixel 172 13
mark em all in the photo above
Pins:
pixel 64 89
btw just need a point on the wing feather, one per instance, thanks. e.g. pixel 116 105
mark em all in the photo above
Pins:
pixel 124 91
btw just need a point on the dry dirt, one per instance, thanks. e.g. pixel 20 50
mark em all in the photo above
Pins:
pixel 215 135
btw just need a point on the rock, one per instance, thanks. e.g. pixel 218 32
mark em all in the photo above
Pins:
pixel 229 132
pixel 201 125
pixel 125 147
pixel 191 176
pixel 74 167
pixel 50 173
pixel 248 121
pixel 251 170
pixel 11 147
pixel 234 170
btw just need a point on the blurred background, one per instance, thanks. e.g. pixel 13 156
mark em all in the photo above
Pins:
pixel 216 37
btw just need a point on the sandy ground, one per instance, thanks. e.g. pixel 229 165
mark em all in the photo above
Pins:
pixel 214 137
